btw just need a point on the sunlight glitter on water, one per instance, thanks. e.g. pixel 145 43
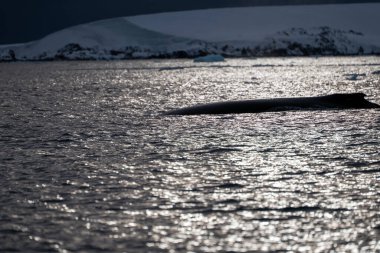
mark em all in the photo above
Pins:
pixel 91 164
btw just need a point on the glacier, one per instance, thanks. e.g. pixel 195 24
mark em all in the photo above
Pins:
pixel 340 29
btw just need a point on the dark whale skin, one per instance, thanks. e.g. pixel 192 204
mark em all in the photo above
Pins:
pixel 333 101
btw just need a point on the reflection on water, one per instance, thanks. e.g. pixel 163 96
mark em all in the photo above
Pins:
pixel 88 163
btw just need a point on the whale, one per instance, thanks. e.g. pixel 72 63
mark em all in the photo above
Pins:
pixel 338 101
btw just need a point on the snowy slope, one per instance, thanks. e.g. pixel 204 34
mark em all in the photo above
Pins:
pixel 254 23
pixel 114 38
pixel 272 30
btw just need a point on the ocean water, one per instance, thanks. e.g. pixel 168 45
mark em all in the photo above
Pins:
pixel 88 163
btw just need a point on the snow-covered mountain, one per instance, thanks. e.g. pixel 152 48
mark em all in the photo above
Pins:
pixel 343 29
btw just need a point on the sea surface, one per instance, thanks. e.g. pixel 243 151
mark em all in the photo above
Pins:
pixel 88 162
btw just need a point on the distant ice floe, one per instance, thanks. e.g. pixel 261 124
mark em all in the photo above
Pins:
pixel 228 32
pixel 354 76
pixel 210 58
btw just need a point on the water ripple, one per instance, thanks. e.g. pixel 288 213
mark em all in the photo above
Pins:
pixel 89 163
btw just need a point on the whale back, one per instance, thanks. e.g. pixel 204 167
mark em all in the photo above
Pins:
pixel 350 100
pixel 334 101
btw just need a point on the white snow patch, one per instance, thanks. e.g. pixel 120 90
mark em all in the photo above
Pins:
pixel 255 23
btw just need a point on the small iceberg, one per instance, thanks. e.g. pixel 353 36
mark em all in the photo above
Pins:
pixel 210 58
pixel 354 76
